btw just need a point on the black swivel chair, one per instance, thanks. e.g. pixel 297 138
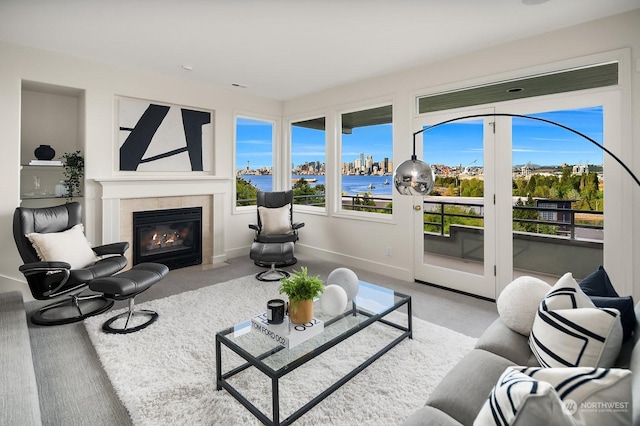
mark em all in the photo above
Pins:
pixel 55 279
pixel 274 249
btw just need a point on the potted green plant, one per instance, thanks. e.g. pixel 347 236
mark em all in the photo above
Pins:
pixel 301 289
pixel 73 169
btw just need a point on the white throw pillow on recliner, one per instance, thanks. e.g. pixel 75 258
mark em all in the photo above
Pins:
pixel 275 220
pixel 69 246
pixel 519 301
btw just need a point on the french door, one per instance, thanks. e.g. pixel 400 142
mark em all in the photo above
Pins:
pixel 472 236
pixel 455 229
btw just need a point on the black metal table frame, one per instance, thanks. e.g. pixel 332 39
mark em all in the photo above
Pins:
pixel 255 361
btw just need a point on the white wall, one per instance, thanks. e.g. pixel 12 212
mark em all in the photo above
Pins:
pixel 353 242
pixel 350 239
pixel 101 84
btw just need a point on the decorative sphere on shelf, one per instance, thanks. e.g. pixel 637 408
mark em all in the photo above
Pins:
pixel 333 300
pixel 345 278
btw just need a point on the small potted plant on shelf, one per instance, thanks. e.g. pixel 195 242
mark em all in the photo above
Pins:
pixel 73 169
pixel 301 289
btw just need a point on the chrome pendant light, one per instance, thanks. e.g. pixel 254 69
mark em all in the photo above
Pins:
pixel 414 177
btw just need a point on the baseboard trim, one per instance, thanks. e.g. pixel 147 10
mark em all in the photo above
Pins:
pixel 488 299
pixel 10 284
pixel 331 256
pixel 357 262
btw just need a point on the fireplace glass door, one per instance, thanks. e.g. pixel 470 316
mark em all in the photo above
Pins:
pixel 172 237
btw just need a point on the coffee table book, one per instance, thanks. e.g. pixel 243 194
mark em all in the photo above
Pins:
pixel 286 334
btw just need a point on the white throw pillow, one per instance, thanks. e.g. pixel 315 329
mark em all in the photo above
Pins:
pixel 559 396
pixel 275 220
pixel 69 246
pixel 569 331
pixel 594 396
pixel 519 301
pixel 517 399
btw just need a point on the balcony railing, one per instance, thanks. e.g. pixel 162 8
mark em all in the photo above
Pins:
pixel 360 203
pixel 569 223
pixel 546 240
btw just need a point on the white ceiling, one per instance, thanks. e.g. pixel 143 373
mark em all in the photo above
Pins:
pixel 282 49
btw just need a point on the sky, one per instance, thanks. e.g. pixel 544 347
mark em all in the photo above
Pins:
pixel 450 144
pixel 533 141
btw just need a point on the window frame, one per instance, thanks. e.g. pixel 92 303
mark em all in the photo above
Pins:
pixel 289 162
pixel 338 210
pixel 275 156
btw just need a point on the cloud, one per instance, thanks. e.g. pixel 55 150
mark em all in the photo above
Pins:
pixel 309 154
pixel 254 142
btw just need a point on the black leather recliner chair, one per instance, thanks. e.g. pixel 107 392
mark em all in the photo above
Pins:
pixel 264 257
pixel 56 279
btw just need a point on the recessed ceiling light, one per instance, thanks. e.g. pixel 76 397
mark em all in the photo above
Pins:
pixel 187 67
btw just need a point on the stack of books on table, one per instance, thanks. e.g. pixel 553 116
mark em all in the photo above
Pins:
pixel 286 334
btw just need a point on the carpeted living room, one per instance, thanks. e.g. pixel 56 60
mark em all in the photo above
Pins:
pixel 177 393
pixel 467 276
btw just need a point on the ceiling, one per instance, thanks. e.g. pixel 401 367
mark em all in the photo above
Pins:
pixel 283 49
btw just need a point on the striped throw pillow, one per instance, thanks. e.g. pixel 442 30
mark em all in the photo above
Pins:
pixel 518 399
pixel 559 396
pixel 594 396
pixel 569 331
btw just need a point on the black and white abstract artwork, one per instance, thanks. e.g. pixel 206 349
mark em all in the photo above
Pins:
pixel 157 137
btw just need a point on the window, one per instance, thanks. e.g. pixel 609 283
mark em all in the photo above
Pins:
pixel 308 162
pixel 366 160
pixel 254 158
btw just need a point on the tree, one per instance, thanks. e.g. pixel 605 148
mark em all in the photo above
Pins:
pixel 531 186
pixel 246 193
pixel 434 216
pixel 525 213
pixel 472 188
pixel 308 193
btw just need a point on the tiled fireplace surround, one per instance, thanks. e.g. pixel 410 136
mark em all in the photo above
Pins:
pixel 123 196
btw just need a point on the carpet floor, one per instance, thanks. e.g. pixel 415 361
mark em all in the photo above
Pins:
pixel 165 374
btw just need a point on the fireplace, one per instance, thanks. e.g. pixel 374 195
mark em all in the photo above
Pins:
pixel 171 236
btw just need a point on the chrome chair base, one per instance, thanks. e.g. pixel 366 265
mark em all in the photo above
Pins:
pixel 152 316
pixel 272 274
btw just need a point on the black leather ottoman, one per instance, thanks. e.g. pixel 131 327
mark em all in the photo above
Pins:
pixel 126 286
pixel 272 253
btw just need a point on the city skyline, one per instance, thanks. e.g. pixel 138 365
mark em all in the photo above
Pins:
pixel 454 144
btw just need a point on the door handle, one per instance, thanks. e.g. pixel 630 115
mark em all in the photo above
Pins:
pixel 417 207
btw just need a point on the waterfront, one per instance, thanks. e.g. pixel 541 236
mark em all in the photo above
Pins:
pixel 351 184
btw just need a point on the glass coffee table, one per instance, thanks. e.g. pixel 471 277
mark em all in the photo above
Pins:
pixel 373 305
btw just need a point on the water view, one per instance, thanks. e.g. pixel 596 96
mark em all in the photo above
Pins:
pixel 351 184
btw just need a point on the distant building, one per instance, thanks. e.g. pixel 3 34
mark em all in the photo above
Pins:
pixel 555 215
pixel 580 169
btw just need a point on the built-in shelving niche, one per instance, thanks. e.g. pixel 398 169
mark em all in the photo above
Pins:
pixel 50 115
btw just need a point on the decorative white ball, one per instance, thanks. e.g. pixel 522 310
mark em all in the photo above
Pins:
pixel 345 278
pixel 519 301
pixel 333 300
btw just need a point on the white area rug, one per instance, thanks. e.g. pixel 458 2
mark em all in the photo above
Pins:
pixel 165 374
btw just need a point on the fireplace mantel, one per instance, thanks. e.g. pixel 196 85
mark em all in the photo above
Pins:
pixel 161 186
pixel 117 188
